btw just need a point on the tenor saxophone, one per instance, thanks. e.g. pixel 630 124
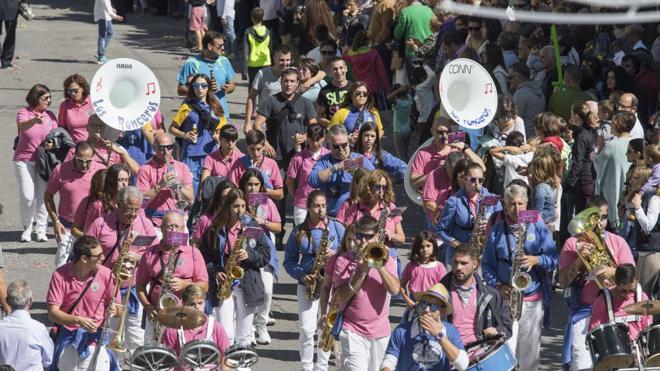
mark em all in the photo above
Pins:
pixel 520 280
pixel 326 340
pixel 233 271
pixel 313 288
pixel 478 236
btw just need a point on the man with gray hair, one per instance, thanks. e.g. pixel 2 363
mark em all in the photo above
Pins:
pixel 538 259
pixel 332 173
pixel 126 225
pixel 24 343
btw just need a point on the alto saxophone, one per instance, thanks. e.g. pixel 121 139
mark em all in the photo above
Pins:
pixel 167 297
pixel 326 340
pixel 478 237
pixel 313 288
pixel 233 271
pixel 520 280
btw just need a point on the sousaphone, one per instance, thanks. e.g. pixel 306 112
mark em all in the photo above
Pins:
pixel 468 96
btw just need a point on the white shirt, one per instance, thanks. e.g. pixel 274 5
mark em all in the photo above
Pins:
pixel 512 162
pixel 103 10
pixel 647 220
pixel 24 342
pixel 637 131
pixel 225 8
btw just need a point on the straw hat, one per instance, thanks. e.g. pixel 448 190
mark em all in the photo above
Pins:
pixel 435 293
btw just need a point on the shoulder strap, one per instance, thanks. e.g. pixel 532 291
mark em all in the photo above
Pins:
pixel 75 303
pixel 608 301
pixel 209 328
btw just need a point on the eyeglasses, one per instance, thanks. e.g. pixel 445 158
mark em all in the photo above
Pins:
pixel 474 28
pixel 442 132
pixel 603 217
pixel 362 94
pixel 218 46
pixel 423 304
pixel 71 91
pixel 166 147
pixel 132 209
pixel 45 98
pixel 95 257
pixel 473 179
pixel 339 146
pixel 328 52
pixel 621 106
pixel 379 187
pixel 199 86
pixel 177 228
pixel 364 236
pixel 83 161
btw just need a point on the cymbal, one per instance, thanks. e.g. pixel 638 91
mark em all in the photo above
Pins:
pixel 187 318
pixel 646 307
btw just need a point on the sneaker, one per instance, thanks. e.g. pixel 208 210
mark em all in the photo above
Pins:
pixel 26 236
pixel 262 336
pixel 102 60
pixel 41 237
pixel 271 321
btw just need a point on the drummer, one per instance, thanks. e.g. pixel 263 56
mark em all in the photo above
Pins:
pixel 609 306
pixel 211 330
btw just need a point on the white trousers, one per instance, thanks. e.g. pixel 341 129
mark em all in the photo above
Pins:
pixel 70 360
pixel 31 195
pixel 234 308
pixel 299 215
pixel 525 339
pixel 261 315
pixel 64 248
pixel 580 354
pixel 308 311
pixel 133 334
pixel 360 353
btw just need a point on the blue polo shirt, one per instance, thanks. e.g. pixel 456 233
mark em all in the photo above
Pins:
pixel 223 73
pixel 402 343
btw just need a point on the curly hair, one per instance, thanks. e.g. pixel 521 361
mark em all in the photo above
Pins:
pixel 366 191
pixel 318 12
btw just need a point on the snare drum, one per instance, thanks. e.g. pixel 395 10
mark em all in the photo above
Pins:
pixel 238 356
pixel 154 357
pixel 491 355
pixel 649 345
pixel 610 347
pixel 200 354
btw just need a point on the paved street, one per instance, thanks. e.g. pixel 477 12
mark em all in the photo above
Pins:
pixel 62 41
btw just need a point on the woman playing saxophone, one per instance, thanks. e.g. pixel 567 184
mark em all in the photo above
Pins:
pixel 235 234
pixel 309 247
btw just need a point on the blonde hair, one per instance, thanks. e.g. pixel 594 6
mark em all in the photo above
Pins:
pixel 192 292
pixel 372 179
pixel 542 169
pixel 653 153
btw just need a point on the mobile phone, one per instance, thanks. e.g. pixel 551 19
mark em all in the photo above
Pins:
pixel 456 137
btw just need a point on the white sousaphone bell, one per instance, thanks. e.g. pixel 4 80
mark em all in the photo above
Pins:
pixel 125 94
pixel 469 97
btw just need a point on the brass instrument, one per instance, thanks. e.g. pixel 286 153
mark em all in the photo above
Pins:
pixel 326 340
pixel 233 271
pixel 377 253
pixel 123 271
pixel 176 188
pixel 520 280
pixel 582 227
pixel 478 237
pixel 167 299
pixel 313 288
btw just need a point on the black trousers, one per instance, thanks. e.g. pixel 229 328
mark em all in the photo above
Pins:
pixel 9 44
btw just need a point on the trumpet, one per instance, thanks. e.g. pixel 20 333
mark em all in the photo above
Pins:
pixel 176 188
pixel 377 253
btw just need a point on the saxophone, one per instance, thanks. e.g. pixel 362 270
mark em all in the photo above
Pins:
pixel 313 288
pixel 326 340
pixel 167 298
pixel 520 280
pixel 582 226
pixel 377 252
pixel 478 237
pixel 233 270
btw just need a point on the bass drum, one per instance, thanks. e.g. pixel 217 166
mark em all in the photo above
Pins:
pixel 200 353
pixel 491 355
pixel 610 347
pixel 413 194
pixel 154 357
pixel 649 344
pixel 238 356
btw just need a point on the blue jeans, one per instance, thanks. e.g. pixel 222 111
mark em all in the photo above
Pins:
pixel 230 36
pixel 105 35
pixel 195 165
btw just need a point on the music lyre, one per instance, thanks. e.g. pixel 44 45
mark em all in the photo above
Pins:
pixel 489 88
pixel 99 85
pixel 151 88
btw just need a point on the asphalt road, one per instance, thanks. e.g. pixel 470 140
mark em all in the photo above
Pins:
pixel 62 41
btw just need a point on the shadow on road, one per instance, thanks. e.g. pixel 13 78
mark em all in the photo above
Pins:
pixel 277 354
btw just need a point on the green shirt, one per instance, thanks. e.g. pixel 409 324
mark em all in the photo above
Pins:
pixel 414 23
pixel 561 101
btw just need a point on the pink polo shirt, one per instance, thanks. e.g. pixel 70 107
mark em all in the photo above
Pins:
pixel 268 167
pixel 219 337
pixel 232 236
pixel 219 166
pixel 203 223
pixel 150 174
pixel 465 316
pixel 73 118
pixel 65 288
pixel 299 169
pixel 101 156
pixel 437 188
pixel 107 228
pixel 599 314
pixel 421 277
pixel 189 266
pixel 270 211
pixel 87 212
pixel 428 159
pixel 356 211
pixel 72 185
pixel 368 314
pixel 620 252
pixel 30 139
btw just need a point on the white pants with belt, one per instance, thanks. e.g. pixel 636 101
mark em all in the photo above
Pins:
pixel 525 339
pixel 64 248
pixel 236 318
pixel 580 354
pixel 31 195
pixel 360 353
pixel 308 320
pixel 70 360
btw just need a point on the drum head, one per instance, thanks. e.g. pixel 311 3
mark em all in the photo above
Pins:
pixel 153 357
pixel 615 362
pixel 240 357
pixel 200 353
pixel 649 342
pixel 481 350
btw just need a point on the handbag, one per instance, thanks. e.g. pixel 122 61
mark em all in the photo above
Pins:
pixel 25 10
pixel 55 330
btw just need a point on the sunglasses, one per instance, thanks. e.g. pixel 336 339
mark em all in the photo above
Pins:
pixel 340 146
pixel 476 179
pixel 327 52
pixel 379 187
pixel 363 94
pixel 71 91
pixel 83 161
pixel 97 256
pixel 603 217
pixel 198 86
pixel 364 236
pixel 166 147
pixel 45 98
pixel 474 28
pixel 423 304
